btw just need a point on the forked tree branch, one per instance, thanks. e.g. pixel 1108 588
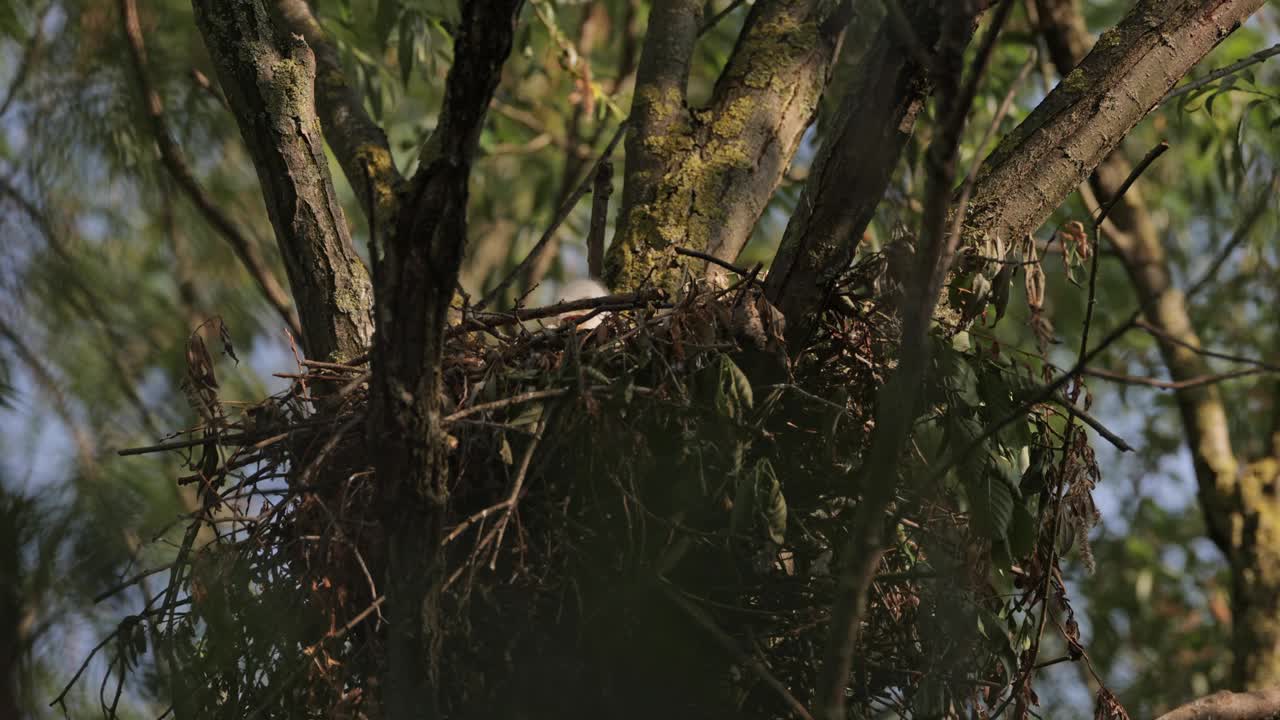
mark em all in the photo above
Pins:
pixel 176 164
pixel 700 178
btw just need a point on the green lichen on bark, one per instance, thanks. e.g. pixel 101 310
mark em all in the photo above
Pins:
pixel 777 44
pixel 1256 612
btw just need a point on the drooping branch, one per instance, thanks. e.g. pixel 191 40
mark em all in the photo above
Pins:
pixel 701 178
pixel 849 175
pixel 269 82
pixel 176 164
pixel 358 143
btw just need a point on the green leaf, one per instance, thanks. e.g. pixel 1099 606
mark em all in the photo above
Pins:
pixel 388 12
pixel 991 502
pixel 772 502
pixel 1022 532
pixel 733 390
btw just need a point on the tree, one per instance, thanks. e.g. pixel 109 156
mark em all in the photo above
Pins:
pixel 709 472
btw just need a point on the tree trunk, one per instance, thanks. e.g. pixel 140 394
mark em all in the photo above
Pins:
pixel 415 277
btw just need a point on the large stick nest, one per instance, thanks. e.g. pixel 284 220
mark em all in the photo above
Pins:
pixel 645 513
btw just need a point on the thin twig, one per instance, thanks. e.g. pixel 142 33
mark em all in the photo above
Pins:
pixel 710 24
pixel 517 486
pixel 1231 69
pixel 713 260
pixel 507 402
pixel 1094 423
pixel 489 321
pixel 230 440
pixel 125 584
pixel 1187 384
pixel 1149 158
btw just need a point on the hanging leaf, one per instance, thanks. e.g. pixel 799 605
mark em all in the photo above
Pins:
pixel 225 335
pixel 991 502
pixel 733 390
pixel 385 20
pixel 772 502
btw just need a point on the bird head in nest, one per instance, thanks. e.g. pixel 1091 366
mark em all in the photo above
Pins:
pixel 580 289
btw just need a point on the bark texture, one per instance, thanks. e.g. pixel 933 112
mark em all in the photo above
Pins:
pixel 356 140
pixel 269 80
pixel 1257 705
pixel 415 275
pixel 1241 514
pixel 1130 69
pixel 700 178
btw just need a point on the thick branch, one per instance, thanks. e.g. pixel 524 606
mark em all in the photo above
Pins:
pixel 269 82
pixel 176 164
pixel 357 141
pixel 701 179
pixel 849 175
pixel 1258 705
pixel 1132 67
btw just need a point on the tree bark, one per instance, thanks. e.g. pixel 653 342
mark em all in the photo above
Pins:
pixel 269 81
pixel 1257 705
pixel 700 179
pixel 356 140
pixel 1237 511
pixel 853 168
pixel 415 274
pixel 1132 67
